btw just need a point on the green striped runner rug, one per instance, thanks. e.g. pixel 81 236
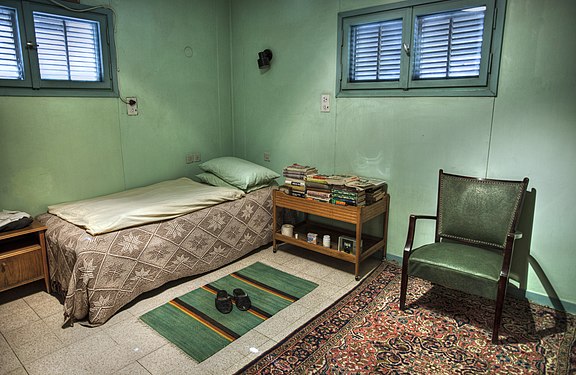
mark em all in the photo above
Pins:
pixel 192 323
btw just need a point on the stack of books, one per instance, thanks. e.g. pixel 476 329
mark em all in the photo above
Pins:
pixel 317 188
pixel 368 191
pixel 375 194
pixel 348 190
pixel 348 196
pixel 295 178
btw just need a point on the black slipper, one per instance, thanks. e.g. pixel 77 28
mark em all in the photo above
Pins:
pixel 242 300
pixel 223 302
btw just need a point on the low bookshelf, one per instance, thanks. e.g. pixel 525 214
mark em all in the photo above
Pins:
pixel 347 214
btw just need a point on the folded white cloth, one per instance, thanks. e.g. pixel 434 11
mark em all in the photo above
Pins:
pixel 7 217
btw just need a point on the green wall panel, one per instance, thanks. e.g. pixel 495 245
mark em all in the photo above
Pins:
pixel 175 58
pixel 535 135
pixel 57 149
pixel 529 129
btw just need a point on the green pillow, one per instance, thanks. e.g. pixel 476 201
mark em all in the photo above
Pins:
pixel 238 172
pixel 212 179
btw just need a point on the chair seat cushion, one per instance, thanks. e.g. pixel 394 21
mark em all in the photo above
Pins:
pixel 467 268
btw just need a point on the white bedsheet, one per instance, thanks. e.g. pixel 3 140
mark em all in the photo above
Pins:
pixel 161 201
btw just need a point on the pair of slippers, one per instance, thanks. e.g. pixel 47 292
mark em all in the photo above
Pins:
pixel 224 301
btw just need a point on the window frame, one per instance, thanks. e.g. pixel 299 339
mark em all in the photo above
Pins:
pixel 484 85
pixel 349 23
pixel 33 85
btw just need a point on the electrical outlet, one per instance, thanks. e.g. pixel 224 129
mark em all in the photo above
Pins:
pixel 266 156
pixel 132 106
pixel 193 157
pixel 325 103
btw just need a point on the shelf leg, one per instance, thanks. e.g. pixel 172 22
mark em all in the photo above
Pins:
pixel 42 239
pixel 358 248
pixel 274 225
pixel 385 229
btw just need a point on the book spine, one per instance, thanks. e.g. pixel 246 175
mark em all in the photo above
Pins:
pixel 294 182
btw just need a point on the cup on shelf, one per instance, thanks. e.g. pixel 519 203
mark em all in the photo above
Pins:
pixel 287 230
pixel 326 240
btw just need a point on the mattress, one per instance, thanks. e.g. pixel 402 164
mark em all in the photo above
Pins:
pixel 99 274
pixel 148 204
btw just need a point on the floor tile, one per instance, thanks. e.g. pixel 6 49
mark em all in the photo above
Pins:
pixel 221 362
pixel 134 368
pixel 97 353
pixel 16 314
pixel 169 360
pixel 33 341
pixel 120 316
pixel 44 304
pixel 8 360
pixel 68 335
pixel 271 327
pixel 250 342
pixel 19 371
pixel 136 336
pixel 57 363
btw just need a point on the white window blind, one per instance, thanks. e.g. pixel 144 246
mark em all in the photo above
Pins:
pixel 11 66
pixel 68 48
pixel 375 51
pixel 449 45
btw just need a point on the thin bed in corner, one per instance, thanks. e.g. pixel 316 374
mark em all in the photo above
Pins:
pixel 100 266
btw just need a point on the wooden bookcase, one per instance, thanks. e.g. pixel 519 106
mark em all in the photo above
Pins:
pixel 23 257
pixel 348 214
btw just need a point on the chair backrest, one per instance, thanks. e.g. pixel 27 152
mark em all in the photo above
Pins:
pixel 478 211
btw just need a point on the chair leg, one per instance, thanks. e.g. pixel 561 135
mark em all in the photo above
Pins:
pixel 404 283
pixel 499 306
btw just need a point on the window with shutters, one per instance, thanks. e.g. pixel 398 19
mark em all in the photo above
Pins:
pixel 430 48
pixel 56 49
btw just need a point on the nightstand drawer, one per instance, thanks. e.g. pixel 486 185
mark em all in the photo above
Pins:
pixel 21 266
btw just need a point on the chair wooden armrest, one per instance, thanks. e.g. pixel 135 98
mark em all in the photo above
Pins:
pixel 407 250
pixel 412 229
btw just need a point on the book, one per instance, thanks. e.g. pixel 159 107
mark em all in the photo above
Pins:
pixel 318 194
pixel 296 182
pixel 317 178
pixel 298 168
pixel 298 194
pixel 364 183
pixel 317 186
pixel 341 179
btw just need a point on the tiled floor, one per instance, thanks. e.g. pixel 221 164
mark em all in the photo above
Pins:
pixel 33 342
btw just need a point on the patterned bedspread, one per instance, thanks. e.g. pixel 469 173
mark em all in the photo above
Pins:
pixel 100 274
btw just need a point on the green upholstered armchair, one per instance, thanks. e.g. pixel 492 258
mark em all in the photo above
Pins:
pixel 475 231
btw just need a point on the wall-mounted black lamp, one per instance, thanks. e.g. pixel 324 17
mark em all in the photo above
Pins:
pixel 264 58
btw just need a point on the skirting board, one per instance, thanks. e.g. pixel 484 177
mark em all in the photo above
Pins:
pixel 537 298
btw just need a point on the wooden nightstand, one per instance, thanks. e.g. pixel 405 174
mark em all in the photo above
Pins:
pixel 23 257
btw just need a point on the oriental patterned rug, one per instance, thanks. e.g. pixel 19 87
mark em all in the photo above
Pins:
pixel 192 322
pixel 441 332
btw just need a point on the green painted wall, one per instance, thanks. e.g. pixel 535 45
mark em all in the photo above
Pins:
pixel 528 130
pixel 61 149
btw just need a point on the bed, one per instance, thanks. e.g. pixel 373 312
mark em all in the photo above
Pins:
pixel 97 274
